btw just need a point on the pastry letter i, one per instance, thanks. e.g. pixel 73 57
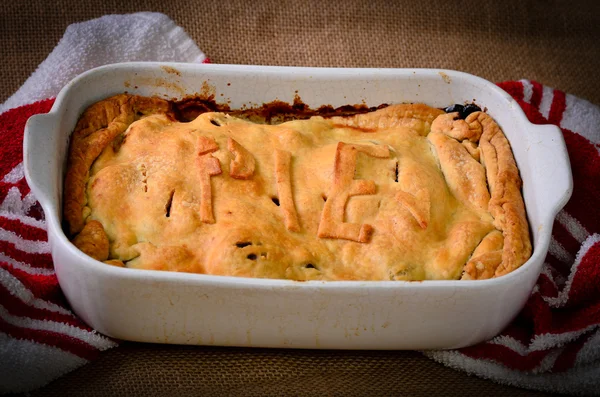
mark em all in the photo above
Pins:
pixel 209 166
pixel 284 189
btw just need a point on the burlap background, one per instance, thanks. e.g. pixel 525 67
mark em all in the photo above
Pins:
pixel 554 42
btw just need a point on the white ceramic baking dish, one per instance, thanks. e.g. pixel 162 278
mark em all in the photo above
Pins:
pixel 169 307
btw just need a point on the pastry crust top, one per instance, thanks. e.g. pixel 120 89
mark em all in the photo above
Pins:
pixel 406 192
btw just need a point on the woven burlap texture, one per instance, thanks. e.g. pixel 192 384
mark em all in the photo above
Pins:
pixel 159 370
pixel 552 42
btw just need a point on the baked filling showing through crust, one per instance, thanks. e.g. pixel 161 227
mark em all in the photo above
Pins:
pixel 406 192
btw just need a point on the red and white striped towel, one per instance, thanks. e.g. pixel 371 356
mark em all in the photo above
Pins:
pixel 553 345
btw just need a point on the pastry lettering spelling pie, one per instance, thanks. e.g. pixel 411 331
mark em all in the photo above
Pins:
pixel 406 192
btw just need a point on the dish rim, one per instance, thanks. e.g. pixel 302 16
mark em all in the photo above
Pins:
pixel 57 235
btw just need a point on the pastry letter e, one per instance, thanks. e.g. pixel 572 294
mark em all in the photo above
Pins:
pixel 344 186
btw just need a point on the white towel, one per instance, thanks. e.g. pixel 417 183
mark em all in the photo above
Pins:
pixel 144 36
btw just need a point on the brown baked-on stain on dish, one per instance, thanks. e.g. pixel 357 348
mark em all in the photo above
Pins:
pixel 171 70
pixel 274 112
pixel 445 77
pixel 206 91
pixel 396 192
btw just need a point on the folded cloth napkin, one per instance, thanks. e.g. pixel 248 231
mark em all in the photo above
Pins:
pixel 553 345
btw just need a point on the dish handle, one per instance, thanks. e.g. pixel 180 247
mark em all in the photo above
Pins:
pixel 552 168
pixel 40 159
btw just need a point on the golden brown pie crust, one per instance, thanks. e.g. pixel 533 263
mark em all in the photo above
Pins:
pixel 406 192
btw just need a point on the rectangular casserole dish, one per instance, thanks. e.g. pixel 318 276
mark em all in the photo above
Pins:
pixel 169 307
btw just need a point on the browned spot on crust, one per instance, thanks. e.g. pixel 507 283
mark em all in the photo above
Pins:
pixel 115 262
pixel 93 241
